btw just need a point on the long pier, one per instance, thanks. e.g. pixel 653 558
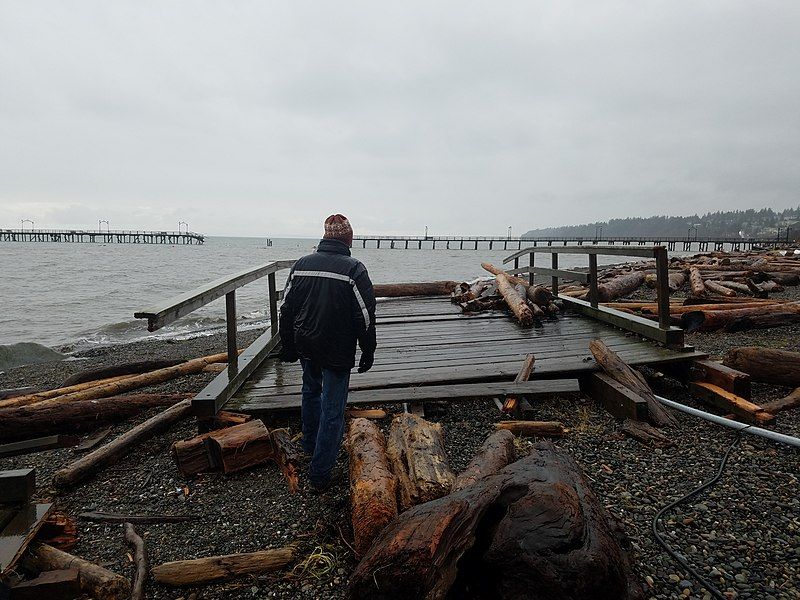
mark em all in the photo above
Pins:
pixel 101 236
pixel 505 243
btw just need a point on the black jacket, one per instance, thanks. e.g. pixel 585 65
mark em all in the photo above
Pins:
pixel 328 305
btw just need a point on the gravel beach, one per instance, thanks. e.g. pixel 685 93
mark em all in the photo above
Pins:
pixel 743 534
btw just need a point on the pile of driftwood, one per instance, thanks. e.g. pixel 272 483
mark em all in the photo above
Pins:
pixel 727 291
pixel 503 528
pixel 528 303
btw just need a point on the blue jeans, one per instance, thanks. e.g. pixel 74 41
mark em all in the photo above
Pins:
pixel 324 400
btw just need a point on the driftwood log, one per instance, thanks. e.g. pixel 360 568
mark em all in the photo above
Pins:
pixel 620 286
pixel 645 433
pixel 620 371
pixel 718 289
pixel 220 568
pixel 241 446
pixel 740 319
pixel 416 454
pixel 696 283
pixel 97 582
pixel 34 420
pixel 782 404
pixel 534 428
pixel 496 452
pixel 397 290
pixel 533 530
pixel 496 271
pixel 104 456
pixel 516 302
pixel 373 490
pixel 48 394
pixel 778 367
pixel 139 582
pixel 125 369
pixel 676 281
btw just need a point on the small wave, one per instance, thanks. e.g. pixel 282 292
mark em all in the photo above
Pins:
pixel 26 353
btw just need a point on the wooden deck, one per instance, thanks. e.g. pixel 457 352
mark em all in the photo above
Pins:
pixel 427 349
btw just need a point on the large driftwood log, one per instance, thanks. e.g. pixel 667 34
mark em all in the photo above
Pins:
pixel 241 446
pixel 782 404
pixel 116 370
pixel 136 543
pixel 419 461
pixel 676 281
pixel 432 288
pixel 533 530
pixel 373 490
pixel 496 452
pixel 696 283
pixel 516 303
pixel 82 468
pixel 739 319
pixel 219 568
pixel 97 582
pixel 718 289
pixel 620 286
pixel 34 420
pixel 778 367
pixel 35 397
pixel 618 370
pixel 496 271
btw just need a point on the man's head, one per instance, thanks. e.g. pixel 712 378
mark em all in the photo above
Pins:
pixel 337 227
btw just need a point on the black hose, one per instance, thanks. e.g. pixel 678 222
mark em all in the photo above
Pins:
pixel 710 587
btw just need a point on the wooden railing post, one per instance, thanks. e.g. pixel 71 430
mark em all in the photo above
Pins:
pixel 593 280
pixel 554 264
pixel 662 287
pixel 530 262
pixel 273 304
pixel 230 322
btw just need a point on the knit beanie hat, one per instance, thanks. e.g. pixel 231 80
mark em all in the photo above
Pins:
pixel 337 227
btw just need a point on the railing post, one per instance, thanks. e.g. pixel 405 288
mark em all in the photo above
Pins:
pixel 530 273
pixel 230 322
pixel 593 280
pixel 662 287
pixel 554 264
pixel 273 304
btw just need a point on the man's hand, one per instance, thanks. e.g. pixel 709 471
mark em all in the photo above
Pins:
pixel 365 363
pixel 289 355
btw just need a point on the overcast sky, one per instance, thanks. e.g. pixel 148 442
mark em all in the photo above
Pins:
pixel 261 118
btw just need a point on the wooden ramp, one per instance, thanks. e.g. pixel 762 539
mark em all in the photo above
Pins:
pixel 427 349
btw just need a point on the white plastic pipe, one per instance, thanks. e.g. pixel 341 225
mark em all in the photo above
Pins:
pixel 765 433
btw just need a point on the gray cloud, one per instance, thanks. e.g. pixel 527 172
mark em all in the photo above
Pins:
pixel 262 118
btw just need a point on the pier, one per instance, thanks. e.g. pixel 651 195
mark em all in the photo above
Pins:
pixel 517 243
pixel 98 236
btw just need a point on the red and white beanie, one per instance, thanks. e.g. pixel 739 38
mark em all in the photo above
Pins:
pixel 337 227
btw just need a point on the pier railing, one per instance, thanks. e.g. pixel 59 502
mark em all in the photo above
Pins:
pixel 216 393
pixel 662 332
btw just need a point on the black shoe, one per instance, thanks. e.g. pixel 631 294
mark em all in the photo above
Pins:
pixel 318 490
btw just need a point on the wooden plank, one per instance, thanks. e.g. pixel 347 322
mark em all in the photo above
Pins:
pixel 40 444
pixel 728 379
pixel 617 399
pixel 562 273
pixel 53 585
pixel 725 400
pixel 17 485
pixel 18 533
pixel 544 387
pixel 178 306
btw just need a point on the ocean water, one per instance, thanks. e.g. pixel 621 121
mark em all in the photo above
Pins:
pixel 84 295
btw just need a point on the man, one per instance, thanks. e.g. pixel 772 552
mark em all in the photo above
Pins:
pixel 329 304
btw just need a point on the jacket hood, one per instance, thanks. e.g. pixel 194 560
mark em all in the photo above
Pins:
pixel 335 246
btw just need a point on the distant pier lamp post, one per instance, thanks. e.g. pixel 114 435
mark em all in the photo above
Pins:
pixel 509 232
pixel 426 232
pixel 185 224
pixel 100 225
pixel 778 237
pixel 598 231
pixel 23 221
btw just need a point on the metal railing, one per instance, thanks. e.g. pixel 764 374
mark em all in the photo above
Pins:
pixel 209 400
pixel 662 332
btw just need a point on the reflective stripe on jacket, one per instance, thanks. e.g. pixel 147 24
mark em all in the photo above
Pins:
pixel 328 306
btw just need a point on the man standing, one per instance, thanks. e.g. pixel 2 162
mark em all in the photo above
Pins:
pixel 328 305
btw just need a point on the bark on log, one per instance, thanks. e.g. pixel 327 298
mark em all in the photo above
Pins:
pixel 29 421
pixel 676 281
pixel 47 394
pixel 373 489
pixel 620 286
pixel 533 530
pixel 287 455
pixel 95 581
pixel 113 451
pixel 645 433
pixel 785 403
pixel 740 319
pixel 397 290
pixel 139 581
pixel 419 461
pixel 193 456
pixel 115 371
pixel 496 271
pixel 696 283
pixel 241 446
pixel 719 290
pixel 515 302
pixel 539 295
pixel 618 370
pixel 219 568
pixel 511 403
pixel 534 428
pixel 132 382
pixel 778 367
pixel 496 452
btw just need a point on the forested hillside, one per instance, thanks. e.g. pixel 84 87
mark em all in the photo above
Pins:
pixel 765 222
